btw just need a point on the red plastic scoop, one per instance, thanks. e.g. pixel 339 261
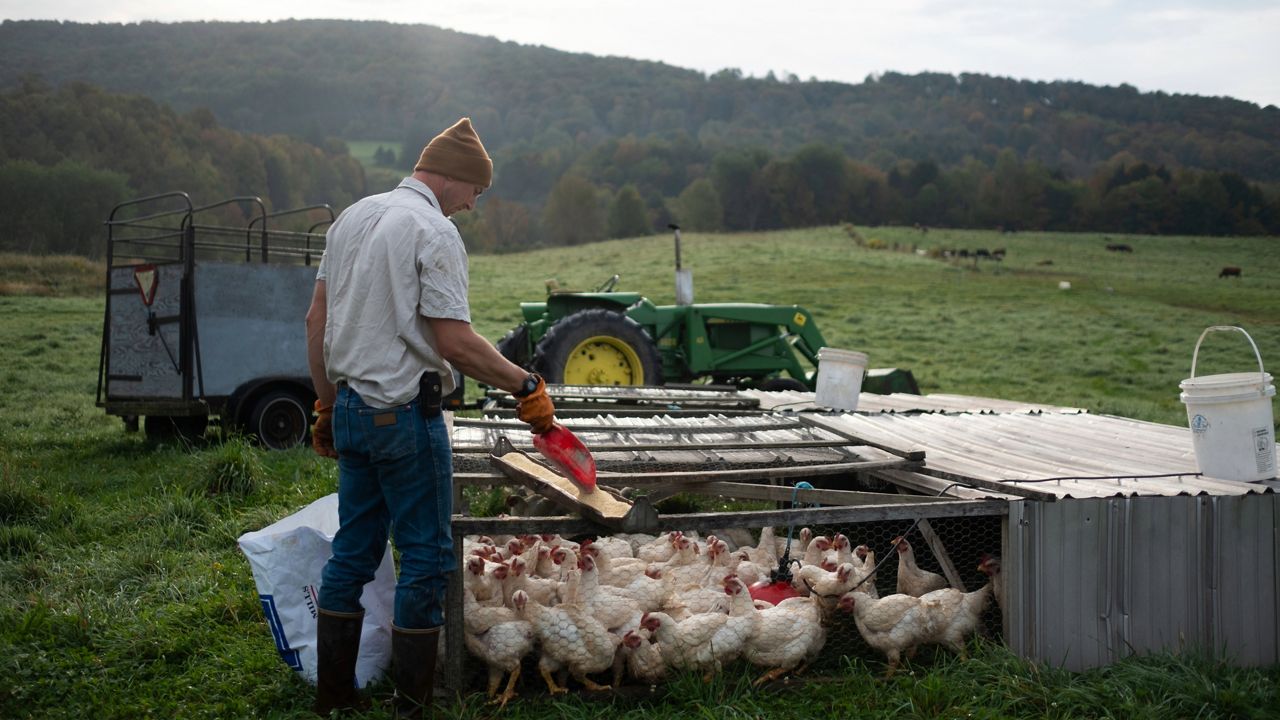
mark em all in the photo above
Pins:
pixel 569 455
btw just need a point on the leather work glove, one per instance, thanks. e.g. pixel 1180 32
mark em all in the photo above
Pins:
pixel 535 406
pixel 322 432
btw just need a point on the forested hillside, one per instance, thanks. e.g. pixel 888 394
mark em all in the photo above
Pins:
pixel 68 155
pixel 588 147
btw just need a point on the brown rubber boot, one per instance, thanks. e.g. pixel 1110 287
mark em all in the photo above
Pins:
pixel 413 666
pixel 337 646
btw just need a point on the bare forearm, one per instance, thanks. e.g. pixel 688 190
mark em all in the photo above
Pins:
pixel 317 315
pixel 474 357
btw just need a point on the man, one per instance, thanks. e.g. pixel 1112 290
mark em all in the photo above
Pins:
pixel 388 322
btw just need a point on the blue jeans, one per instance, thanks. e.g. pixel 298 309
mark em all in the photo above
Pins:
pixel 395 475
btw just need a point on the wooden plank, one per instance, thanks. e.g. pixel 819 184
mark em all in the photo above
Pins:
pixel 693 477
pixel 454 647
pixel 703 522
pixel 786 471
pixel 571 411
pixel 824 423
pixel 620 395
pixel 939 551
pixel 678 446
pixel 996 485
pixel 936 487
pixel 703 429
pixel 752 491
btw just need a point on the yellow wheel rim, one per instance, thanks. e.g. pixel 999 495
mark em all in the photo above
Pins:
pixel 603 360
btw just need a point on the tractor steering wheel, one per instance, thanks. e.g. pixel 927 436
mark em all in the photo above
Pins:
pixel 607 286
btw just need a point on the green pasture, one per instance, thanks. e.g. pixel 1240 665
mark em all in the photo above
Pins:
pixel 363 150
pixel 122 594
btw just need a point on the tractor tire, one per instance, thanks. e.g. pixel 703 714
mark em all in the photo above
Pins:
pixel 280 420
pixel 598 347
pixel 514 346
pixel 778 384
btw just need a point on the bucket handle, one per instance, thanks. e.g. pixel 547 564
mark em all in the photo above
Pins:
pixel 1220 328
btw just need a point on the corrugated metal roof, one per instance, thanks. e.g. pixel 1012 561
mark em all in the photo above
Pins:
pixel 796 401
pixel 623 399
pixel 1012 449
pixel 1005 447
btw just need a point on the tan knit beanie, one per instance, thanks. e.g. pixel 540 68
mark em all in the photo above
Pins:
pixel 459 154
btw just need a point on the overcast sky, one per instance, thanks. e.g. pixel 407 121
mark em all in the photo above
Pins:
pixel 1227 47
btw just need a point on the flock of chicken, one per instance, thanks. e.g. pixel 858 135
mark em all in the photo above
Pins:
pixel 643 605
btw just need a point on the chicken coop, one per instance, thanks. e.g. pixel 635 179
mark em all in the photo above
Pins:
pixel 1109 543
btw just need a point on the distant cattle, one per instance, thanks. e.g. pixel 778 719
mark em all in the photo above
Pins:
pixel 997 254
pixel 1119 247
pixel 1229 272
pixel 981 253
pixel 1045 262
pixel 963 252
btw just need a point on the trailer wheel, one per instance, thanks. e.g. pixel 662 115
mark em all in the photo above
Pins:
pixel 514 346
pixel 598 347
pixel 280 420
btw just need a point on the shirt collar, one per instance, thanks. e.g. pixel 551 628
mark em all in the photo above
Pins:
pixel 421 188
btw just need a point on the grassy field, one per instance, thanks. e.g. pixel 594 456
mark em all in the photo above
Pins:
pixel 122 593
pixel 363 150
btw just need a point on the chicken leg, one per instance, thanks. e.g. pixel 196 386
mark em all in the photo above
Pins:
pixel 770 676
pixel 591 684
pixel 509 693
pixel 552 687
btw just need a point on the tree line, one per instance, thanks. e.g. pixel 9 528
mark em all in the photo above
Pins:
pixel 630 187
pixel 68 155
pixel 402 83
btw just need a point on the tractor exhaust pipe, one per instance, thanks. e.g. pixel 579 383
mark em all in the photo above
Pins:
pixel 684 278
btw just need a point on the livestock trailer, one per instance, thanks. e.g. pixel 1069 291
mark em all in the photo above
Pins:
pixel 205 316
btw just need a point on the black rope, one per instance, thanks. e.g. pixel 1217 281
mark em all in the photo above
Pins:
pixel 1103 477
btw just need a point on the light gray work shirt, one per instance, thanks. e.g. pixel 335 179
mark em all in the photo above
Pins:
pixel 390 262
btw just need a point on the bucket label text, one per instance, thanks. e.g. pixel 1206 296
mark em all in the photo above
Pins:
pixel 1199 424
pixel 1266 454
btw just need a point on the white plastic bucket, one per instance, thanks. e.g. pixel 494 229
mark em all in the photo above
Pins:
pixel 1232 430
pixel 840 378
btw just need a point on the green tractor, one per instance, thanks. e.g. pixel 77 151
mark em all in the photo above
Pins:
pixel 605 337
pixel 621 338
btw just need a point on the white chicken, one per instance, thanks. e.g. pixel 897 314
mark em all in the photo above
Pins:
pixel 841 552
pixel 570 638
pixel 893 624
pixel 615 547
pixel 660 549
pixel 615 610
pixel 484 580
pixel 825 584
pixel 816 551
pixel 545 590
pixel 684 568
pixel 911 579
pixel 750 571
pixel 765 553
pixel 500 639
pixel 565 559
pixel 614 571
pixel 864 561
pixel 788 635
pixel 643 657
pixel 708 641
pixel 694 600
pixel 954 615
pixel 990 566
